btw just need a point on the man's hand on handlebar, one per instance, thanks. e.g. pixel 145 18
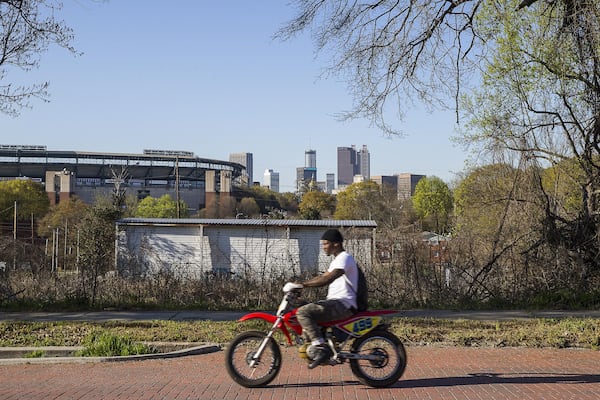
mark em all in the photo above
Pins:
pixel 290 286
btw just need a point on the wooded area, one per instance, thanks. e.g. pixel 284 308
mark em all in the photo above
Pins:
pixel 522 222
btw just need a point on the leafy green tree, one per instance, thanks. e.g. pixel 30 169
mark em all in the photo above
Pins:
pixel 163 207
pixel 64 214
pixel 248 207
pixel 27 29
pixel 481 198
pixel 265 198
pixel 62 227
pixel 498 226
pixel 562 186
pixel 288 201
pixel 538 104
pixel 358 201
pixel 30 197
pixel 433 200
pixel 315 203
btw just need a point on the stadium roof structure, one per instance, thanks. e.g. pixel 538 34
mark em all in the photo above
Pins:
pixel 33 162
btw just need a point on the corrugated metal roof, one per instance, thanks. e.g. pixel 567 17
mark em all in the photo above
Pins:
pixel 342 223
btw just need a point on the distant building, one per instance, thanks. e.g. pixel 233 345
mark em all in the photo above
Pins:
pixel 364 163
pixel 351 163
pixel 330 183
pixel 180 174
pixel 358 179
pixel 304 177
pixel 346 165
pixel 271 180
pixel 310 159
pixel 388 180
pixel 193 248
pixel 406 185
pixel 307 175
pixel 244 159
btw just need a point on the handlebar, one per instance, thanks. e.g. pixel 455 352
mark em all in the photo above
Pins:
pixel 292 286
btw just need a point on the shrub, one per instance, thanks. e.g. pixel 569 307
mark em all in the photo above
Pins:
pixel 106 344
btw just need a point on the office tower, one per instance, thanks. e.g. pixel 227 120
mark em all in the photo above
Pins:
pixel 346 165
pixel 351 163
pixel 330 183
pixel 244 159
pixel 310 159
pixel 406 185
pixel 386 180
pixel 364 163
pixel 305 177
pixel 271 180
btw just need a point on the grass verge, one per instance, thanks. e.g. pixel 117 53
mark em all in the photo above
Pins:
pixel 556 333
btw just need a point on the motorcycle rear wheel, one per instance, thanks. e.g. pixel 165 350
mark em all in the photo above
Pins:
pixel 238 357
pixel 389 368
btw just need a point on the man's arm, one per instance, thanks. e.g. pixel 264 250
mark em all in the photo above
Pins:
pixel 324 279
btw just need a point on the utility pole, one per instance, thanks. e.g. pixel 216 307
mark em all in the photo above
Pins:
pixel 65 247
pixel 15 236
pixel 177 185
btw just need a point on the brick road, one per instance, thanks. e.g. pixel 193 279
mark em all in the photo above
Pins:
pixel 432 373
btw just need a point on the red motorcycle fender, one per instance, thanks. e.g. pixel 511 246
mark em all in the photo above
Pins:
pixel 270 318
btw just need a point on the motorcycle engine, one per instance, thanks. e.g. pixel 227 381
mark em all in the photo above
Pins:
pixel 311 352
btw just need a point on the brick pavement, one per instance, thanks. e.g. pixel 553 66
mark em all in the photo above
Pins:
pixel 432 373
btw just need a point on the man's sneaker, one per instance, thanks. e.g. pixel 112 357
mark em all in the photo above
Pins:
pixel 322 354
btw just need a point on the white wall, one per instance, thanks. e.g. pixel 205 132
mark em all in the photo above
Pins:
pixel 193 251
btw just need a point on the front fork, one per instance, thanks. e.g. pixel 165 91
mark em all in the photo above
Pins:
pixel 263 345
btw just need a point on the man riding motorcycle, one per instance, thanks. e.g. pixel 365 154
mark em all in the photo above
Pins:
pixel 342 277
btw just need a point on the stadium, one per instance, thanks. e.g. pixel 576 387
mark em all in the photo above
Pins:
pixel 154 173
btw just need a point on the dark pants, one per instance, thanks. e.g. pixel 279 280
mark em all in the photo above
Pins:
pixel 309 316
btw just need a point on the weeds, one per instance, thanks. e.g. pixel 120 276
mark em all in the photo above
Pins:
pixel 557 333
pixel 35 354
pixel 579 333
pixel 106 344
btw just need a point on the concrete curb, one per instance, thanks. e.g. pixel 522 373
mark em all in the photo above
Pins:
pixel 204 349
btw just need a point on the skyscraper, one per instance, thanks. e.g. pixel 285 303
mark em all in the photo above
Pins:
pixel 271 180
pixel 364 162
pixel 307 174
pixel 346 165
pixel 244 159
pixel 304 177
pixel 310 159
pixel 351 163
pixel 330 183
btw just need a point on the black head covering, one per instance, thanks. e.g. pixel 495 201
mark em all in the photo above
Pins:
pixel 332 235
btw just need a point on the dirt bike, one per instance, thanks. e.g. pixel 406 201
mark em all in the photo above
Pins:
pixel 376 356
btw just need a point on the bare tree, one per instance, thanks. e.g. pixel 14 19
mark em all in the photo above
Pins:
pixel 540 100
pixel 27 29
pixel 525 74
pixel 392 51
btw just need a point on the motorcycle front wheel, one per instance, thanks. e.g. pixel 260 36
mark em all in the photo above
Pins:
pixel 388 359
pixel 241 364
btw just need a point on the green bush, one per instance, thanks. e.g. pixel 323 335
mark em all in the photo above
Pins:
pixel 106 344
pixel 35 354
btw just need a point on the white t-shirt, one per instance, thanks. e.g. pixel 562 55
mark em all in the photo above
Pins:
pixel 340 289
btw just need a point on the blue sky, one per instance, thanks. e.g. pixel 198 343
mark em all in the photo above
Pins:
pixel 207 77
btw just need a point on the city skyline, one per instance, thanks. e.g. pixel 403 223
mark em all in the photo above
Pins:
pixel 221 85
pixel 406 180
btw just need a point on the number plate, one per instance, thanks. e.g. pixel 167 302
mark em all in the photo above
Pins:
pixel 361 326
